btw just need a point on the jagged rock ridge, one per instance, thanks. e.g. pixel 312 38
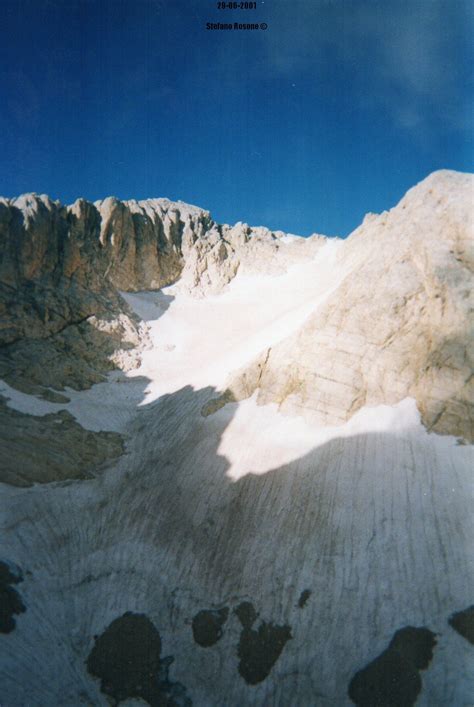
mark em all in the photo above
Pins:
pixel 62 268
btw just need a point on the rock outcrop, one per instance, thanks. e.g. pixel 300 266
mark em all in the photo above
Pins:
pixel 51 448
pixel 399 324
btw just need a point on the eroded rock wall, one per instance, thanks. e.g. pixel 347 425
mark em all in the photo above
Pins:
pixel 63 321
pixel 399 324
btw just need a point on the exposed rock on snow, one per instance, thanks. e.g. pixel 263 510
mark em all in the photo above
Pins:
pixel 207 626
pixel 463 623
pixel 258 649
pixel 127 658
pixel 393 678
pixel 51 448
pixel 11 603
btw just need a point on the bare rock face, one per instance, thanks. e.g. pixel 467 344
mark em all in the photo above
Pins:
pixel 62 265
pixel 53 290
pixel 225 251
pixel 143 241
pixel 62 268
pixel 399 324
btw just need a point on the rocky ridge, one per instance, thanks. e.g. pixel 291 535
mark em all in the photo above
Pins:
pixel 62 269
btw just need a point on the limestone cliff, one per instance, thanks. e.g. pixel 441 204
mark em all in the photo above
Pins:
pixel 399 324
pixel 63 321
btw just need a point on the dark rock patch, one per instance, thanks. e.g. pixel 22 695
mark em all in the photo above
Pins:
pixel 10 600
pixel 207 626
pixel 54 397
pixel 259 649
pixel 392 679
pixel 463 623
pixel 304 596
pixel 127 659
pixel 246 614
pixel 54 447
pixel 216 404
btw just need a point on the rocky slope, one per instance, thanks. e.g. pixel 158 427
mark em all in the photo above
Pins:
pixel 400 323
pixel 231 489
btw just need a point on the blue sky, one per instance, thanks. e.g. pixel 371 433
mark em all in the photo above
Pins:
pixel 335 110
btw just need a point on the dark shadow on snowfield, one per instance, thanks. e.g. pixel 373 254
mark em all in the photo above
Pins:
pixel 368 525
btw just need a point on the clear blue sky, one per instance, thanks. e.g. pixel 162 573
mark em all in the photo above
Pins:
pixel 335 110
